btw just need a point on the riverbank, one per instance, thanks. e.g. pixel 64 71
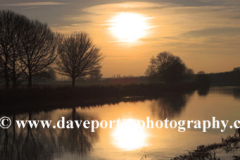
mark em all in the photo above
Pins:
pixel 38 99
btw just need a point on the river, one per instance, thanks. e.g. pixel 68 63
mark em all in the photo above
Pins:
pixel 123 142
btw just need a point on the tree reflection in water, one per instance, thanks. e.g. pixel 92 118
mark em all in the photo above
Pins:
pixel 232 91
pixel 204 91
pixel 27 144
pixel 170 106
pixel 236 93
pixel 44 144
pixel 77 140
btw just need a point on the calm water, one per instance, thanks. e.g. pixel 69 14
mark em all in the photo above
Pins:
pixel 123 142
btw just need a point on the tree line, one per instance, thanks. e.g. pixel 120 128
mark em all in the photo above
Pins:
pixel 29 48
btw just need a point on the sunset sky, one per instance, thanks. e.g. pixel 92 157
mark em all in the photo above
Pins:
pixel 205 34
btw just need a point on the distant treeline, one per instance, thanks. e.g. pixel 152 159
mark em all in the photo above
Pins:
pixel 231 78
pixel 126 80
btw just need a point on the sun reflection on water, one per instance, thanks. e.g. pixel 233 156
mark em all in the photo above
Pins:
pixel 129 135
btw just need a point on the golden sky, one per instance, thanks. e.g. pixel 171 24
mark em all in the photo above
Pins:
pixel 205 34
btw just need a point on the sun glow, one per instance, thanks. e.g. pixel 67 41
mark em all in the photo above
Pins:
pixel 129 135
pixel 129 27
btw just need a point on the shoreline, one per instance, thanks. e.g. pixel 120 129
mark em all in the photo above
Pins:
pixel 42 99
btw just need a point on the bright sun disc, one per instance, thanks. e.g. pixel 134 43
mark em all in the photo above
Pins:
pixel 128 27
pixel 129 135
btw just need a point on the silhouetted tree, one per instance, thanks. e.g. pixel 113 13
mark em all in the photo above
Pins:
pixel 95 75
pixel 169 67
pixel 189 71
pixel 26 46
pixel 12 27
pixel 201 72
pixel 237 69
pixel 78 56
pixel 48 74
pixel 1 75
pixel 151 71
pixel 203 80
pixel 39 45
pixel 152 68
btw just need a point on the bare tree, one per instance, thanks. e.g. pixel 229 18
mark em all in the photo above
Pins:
pixel 48 74
pixel 26 46
pixel 237 69
pixel 152 68
pixel 39 46
pixel 201 72
pixel 78 56
pixel 4 45
pixel 95 75
pixel 169 67
pixel 12 27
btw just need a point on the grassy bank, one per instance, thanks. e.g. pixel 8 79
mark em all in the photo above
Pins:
pixel 65 97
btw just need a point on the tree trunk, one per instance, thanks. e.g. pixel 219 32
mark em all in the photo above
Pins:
pixel 29 81
pixel 6 77
pixel 14 78
pixel 14 83
pixel 73 82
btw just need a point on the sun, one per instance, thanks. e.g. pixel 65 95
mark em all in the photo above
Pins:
pixel 129 135
pixel 128 27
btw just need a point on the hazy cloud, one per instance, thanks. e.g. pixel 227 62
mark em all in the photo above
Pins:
pixel 128 6
pixel 34 4
pixel 213 32
pixel 189 2
pixel 237 17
